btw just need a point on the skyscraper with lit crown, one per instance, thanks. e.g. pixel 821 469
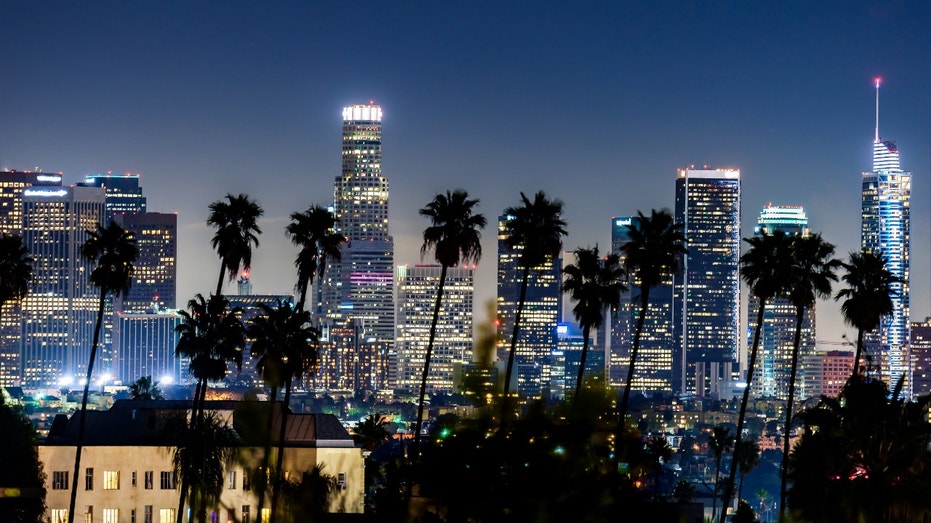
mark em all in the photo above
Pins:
pixel 706 293
pixel 777 337
pixel 359 290
pixel 885 229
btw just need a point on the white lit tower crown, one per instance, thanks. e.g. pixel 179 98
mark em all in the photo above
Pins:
pixel 885 229
pixel 357 293
pixel 777 338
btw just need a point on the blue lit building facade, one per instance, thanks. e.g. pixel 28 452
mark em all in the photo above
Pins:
pixel 654 361
pixel 706 294
pixel 774 356
pixel 885 228
pixel 124 194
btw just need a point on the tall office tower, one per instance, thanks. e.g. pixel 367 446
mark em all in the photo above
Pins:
pixel 154 285
pixel 617 338
pixel 653 372
pixel 360 287
pixel 827 373
pixel 774 355
pixel 60 311
pixel 144 345
pixel 885 228
pixel 921 356
pixel 706 295
pixel 12 184
pixel 124 195
pixel 452 345
pixel 536 340
pixel 565 361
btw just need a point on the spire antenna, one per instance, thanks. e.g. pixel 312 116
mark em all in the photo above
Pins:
pixel 878 81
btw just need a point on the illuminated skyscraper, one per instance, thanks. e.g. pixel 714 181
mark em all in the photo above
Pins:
pixel 885 228
pixel 154 285
pixel 12 184
pixel 452 347
pixel 542 306
pixel 360 288
pixel 60 311
pixel 774 356
pixel 654 361
pixel 124 195
pixel 706 297
pixel 144 345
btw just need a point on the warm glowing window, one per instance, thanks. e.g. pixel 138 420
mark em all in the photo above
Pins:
pixel 111 515
pixel 59 515
pixel 111 480
pixel 166 515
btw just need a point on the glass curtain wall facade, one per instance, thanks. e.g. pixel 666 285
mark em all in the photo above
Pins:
pixel 706 294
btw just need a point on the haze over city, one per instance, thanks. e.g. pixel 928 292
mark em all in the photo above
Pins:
pixel 597 105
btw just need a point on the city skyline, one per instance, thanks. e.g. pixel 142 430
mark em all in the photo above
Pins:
pixel 585 107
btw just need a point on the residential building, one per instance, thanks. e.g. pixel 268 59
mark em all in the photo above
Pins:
pixel 536 338
pixel 452 345
pixel 885 229
pixel 127 473
pixel 706 294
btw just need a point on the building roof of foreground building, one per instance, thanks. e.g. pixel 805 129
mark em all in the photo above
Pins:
pixel 150 423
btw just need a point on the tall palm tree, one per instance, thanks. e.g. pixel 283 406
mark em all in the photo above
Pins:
pixel 868 296
pixel 313 231
pixel 764 268
pixel 15 268
pixel 594 284
pixel 536 229
pixel 200 457
pixel 112 250
pixel 211 336
pixel 284 345
pixel 237 230
pixel 652 255
pixel 720 442
pixel 454 236
pixel 811 271
pixel 746 457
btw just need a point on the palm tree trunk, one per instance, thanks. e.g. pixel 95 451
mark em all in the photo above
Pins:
pixel 514 333
pixel 625 398
pixel 743 410
pixel 714 493
pixel 82 421
pixel 578 382
pixel 799 314
pixel 179 517
pixel 276 486
pixel 266 458
pixel 856 361
pixel 220 281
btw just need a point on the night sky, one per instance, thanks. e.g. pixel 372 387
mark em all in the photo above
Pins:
pixel 597 103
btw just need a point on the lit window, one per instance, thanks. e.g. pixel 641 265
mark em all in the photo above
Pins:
pixel 166 515
pixel 59 515
pixel 231 479
pixel 266 515
pixel 111 480
pixel 111 515
pixel 89 514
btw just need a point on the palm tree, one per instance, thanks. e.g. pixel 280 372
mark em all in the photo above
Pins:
pixel 15 268
pixel 236 224
pixel 454 236
pixel 868 296
pixel 370 432
pixel 199 458
pixel 652 255
pixel 720 442
pixel 144 389
pixel 658 451
pixel 211 336
pixel 312 231
pixel 594 284
pixel 113 250
pixel 536 229
pixel 284 345
pixel 811 271
pixel 746 457
pixel 764 268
